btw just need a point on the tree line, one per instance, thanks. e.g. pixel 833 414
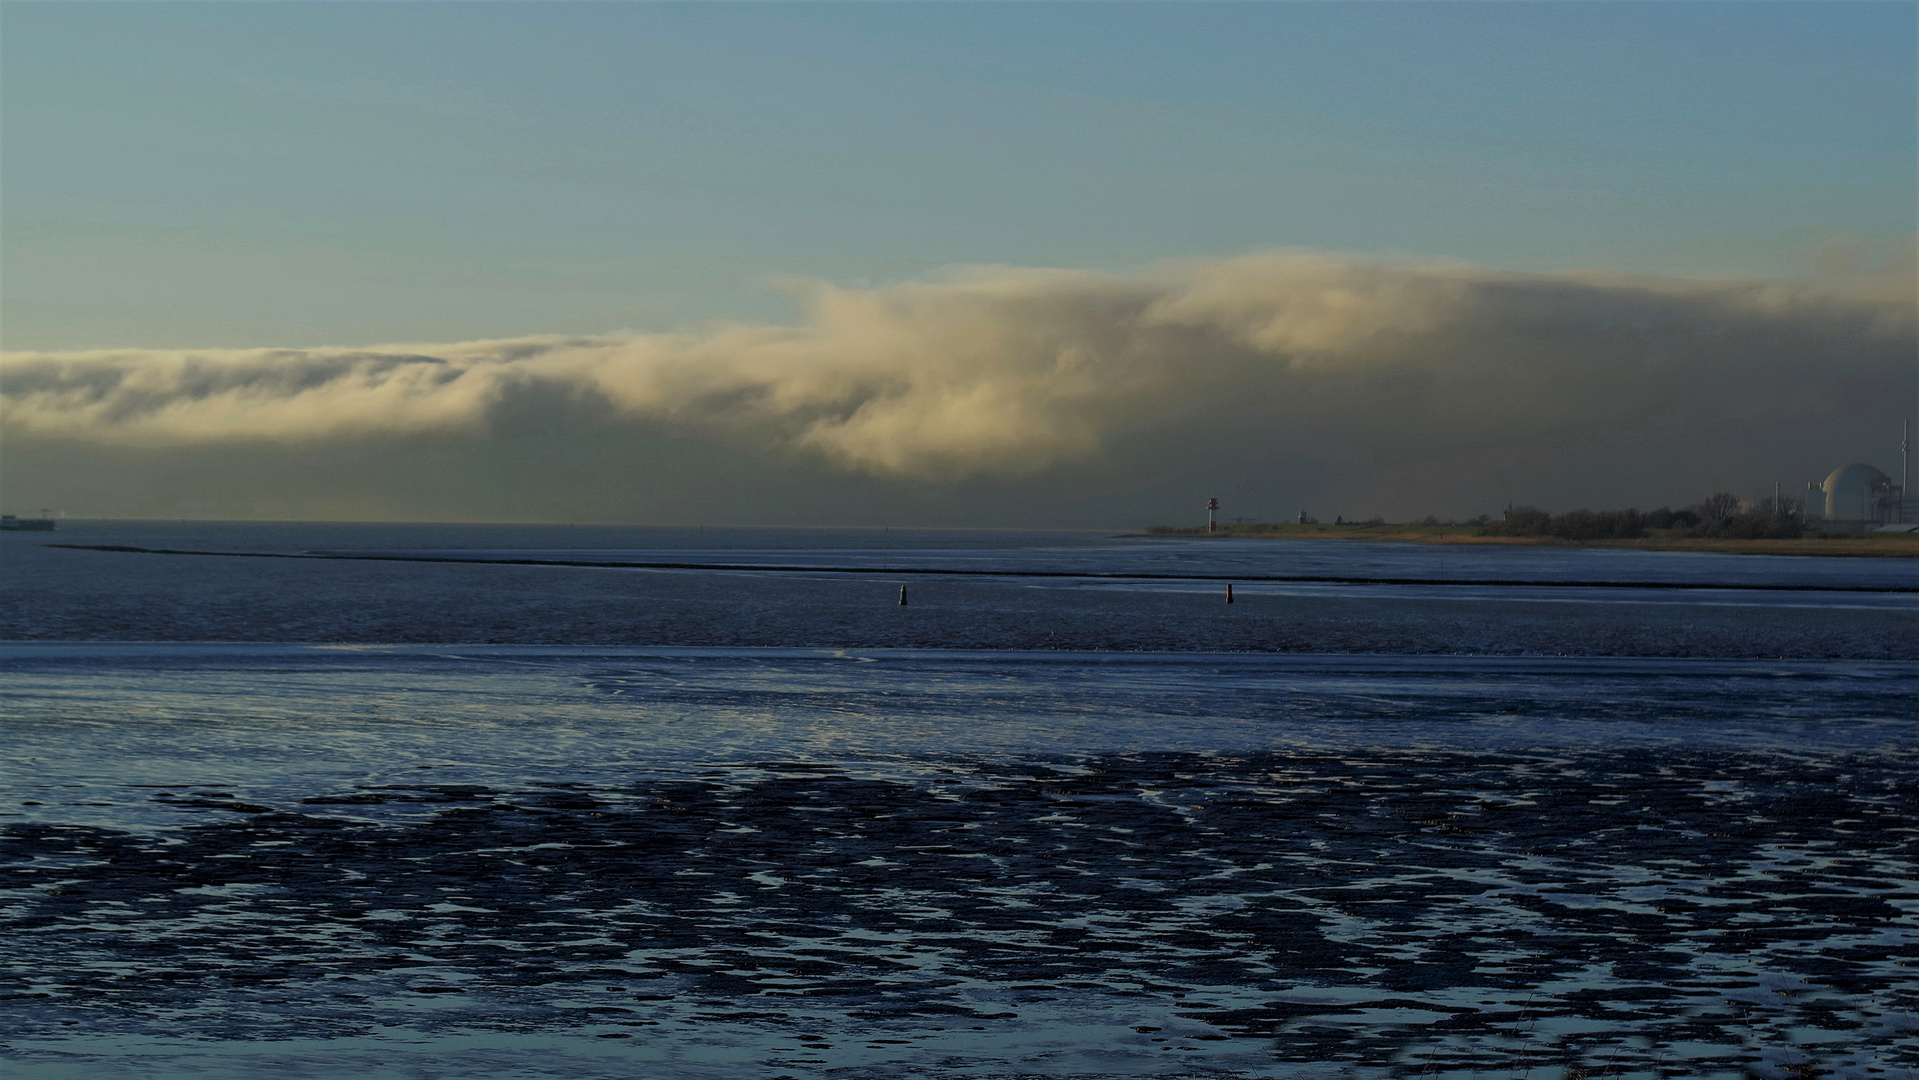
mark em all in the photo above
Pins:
pixel 1718 516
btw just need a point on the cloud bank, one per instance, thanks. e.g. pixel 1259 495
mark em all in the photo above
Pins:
pixel 1002 372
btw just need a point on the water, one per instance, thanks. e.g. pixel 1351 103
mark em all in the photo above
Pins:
pixel 322 818
pixel 54 593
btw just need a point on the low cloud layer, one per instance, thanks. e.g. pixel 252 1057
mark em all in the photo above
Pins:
pixel 1002 373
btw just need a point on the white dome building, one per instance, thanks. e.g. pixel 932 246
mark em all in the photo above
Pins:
pixel 1858 492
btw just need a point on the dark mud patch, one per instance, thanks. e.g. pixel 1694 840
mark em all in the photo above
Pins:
pixel 1643 912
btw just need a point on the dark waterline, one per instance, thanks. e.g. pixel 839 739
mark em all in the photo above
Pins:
pixel 942 571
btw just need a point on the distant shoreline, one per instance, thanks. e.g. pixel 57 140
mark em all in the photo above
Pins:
pixel 1857 545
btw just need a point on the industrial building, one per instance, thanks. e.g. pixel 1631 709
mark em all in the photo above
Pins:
pixel 1855 494
pixel 1859 496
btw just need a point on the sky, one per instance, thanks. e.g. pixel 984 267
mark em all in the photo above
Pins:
pixel 1015 263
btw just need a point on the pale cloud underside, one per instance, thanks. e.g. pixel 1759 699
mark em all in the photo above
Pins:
pixel 998 370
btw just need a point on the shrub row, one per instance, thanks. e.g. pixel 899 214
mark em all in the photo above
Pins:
pixel 1718 516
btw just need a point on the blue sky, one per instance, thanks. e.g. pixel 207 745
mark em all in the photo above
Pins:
pixel 307 174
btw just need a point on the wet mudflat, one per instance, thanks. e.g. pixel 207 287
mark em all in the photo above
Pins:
pixel 1693 915
pixel 448 820
pixel 222 861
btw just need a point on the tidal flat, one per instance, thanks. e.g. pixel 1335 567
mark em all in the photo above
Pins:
pixel 301 818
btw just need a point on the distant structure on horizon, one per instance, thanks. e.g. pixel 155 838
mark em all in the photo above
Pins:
pixel 10 523
pixel 1860 496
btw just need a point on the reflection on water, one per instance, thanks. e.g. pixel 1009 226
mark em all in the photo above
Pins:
pixel 440 861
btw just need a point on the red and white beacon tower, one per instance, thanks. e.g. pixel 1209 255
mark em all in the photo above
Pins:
pixel 1212 512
